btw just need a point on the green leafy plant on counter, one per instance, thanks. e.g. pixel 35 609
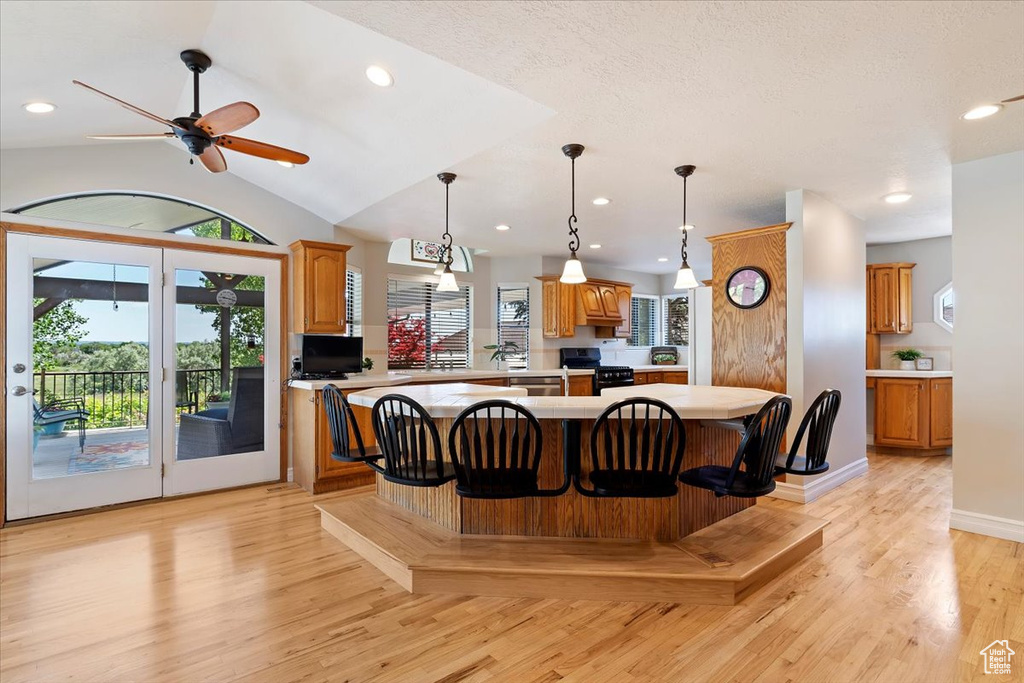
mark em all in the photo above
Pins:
pixel 367 363
pixel 663 358
pixel 503 351
pixel 907 354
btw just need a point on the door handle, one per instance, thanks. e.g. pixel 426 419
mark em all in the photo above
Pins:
pixel 19 391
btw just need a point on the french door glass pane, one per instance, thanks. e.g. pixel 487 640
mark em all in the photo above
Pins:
pixel 90 358
pixel 219 356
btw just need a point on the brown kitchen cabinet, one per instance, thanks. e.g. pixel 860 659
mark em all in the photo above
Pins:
pixel 318 287
pixel 579 385
pixel 313 467
pixel 558 303
pixel 914 413
pixel 890 298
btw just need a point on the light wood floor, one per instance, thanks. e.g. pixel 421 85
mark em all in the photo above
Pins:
pixel 246 586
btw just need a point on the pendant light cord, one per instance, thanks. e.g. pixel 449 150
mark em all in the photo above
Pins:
pixel 574 238
pixel 447 249
pixel 683 248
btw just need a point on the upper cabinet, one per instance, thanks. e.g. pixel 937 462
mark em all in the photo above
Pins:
pixel 889 294
pixel 600 303
pixel 318 287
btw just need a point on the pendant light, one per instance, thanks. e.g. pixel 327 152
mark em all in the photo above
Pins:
pixel 685 279
pixel 572 274
pixel 439 268
pixel 447 282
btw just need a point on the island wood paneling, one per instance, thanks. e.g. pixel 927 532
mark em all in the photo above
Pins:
pixel 750 344
pixel 572 515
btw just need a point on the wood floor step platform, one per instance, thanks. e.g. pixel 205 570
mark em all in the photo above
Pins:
pixel 719 565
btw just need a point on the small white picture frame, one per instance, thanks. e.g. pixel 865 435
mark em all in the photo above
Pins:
pixel 925 363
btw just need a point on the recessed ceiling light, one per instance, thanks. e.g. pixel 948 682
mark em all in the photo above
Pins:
pixel 502 227
pixel 897 197
pixel 981 112
pixel 378 75
pixel 602 201
pixel 662 260
pixel 286 164
pixel 595 246
pixel 39 107
pixel 686 227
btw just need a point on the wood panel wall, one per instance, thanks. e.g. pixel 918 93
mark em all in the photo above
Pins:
pixel 749 345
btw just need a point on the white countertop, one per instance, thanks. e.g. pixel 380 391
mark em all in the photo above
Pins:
pixel 393 379
pixel 691 402
pixel 910 374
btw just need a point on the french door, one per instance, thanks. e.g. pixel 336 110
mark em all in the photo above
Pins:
pixel 137 372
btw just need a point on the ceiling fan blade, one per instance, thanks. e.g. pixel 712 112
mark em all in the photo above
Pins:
pixel 139 136
pixel 261 149
pixel 229 118
pixel 213 160
pixel 129 107
pixel 1014 99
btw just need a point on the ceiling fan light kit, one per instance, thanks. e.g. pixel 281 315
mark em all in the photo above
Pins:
pixel 203 134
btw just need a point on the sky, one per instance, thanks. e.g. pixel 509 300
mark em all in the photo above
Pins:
pixel 130 321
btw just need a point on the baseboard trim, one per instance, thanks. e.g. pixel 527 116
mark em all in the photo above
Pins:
pixel 291 475
pixel 987 525
pixel 819 486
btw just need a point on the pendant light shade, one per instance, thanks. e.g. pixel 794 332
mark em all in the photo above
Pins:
pixel 573 274
pixel 447 282
pixel 685 279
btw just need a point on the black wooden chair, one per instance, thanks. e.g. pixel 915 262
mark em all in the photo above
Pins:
pixel 817 424
pixel 409 443
pixel 495 447
pixel 636 450
pixel 757 452
pixel 340 419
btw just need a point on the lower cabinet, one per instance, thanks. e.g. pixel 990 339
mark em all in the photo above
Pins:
pixel 579 385
pixel 313 468
pixel 914 413
pixel 660 377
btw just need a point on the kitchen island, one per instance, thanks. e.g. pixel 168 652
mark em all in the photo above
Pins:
pixel 690 547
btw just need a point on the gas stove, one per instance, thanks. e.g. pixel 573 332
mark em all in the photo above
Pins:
pixel 589 358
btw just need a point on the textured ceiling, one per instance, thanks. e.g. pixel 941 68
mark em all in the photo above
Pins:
pixel 302 67
pixel 849 100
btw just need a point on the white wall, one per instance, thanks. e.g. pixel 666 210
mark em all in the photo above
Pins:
pixel 825 260
pixel 30 174
pixel 988 387
pixel 934 270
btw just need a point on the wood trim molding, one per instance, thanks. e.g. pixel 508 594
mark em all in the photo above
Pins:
pixel 3 376
pixel 751 232
pixel 335 246
pixel 138 240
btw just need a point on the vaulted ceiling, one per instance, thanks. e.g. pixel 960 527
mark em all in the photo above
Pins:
pixel 849 100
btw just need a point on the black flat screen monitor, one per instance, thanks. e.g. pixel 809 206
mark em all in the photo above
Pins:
pixel 332 356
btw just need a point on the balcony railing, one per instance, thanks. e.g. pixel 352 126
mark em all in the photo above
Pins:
pixel 120 398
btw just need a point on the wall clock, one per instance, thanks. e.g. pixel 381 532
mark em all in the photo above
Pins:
pixel 747 287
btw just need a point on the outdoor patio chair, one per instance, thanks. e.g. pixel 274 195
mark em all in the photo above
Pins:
pixel 221 431
pixel 62 410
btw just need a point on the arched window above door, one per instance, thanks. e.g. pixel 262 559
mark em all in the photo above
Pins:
pixel 143 211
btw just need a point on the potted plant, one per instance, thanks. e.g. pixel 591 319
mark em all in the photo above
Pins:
pixel 664 359
pixel 906 357
pixel 367 364
pixel 218 399
pixel 501 352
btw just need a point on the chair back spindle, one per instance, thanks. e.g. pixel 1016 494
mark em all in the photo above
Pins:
pixel 409 441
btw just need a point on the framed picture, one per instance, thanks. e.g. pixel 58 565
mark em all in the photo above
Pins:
pixel 925 363
pixel 425 252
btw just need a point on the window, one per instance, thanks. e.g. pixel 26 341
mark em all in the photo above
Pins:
pixel 644 328
pixel 142 211
pixel 354 302
pixel 427 328
pixel 944 307
pixel 676 320
pixel 514 323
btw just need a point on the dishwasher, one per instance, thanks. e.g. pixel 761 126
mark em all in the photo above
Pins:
pixel 537 386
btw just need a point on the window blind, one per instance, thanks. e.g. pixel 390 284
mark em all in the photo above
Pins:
pixel 427 328
pixel 676 320
pixel 514 323
pixel 644 324
pixel 353 303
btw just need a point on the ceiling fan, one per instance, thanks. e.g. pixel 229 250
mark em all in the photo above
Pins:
pixel 203 134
